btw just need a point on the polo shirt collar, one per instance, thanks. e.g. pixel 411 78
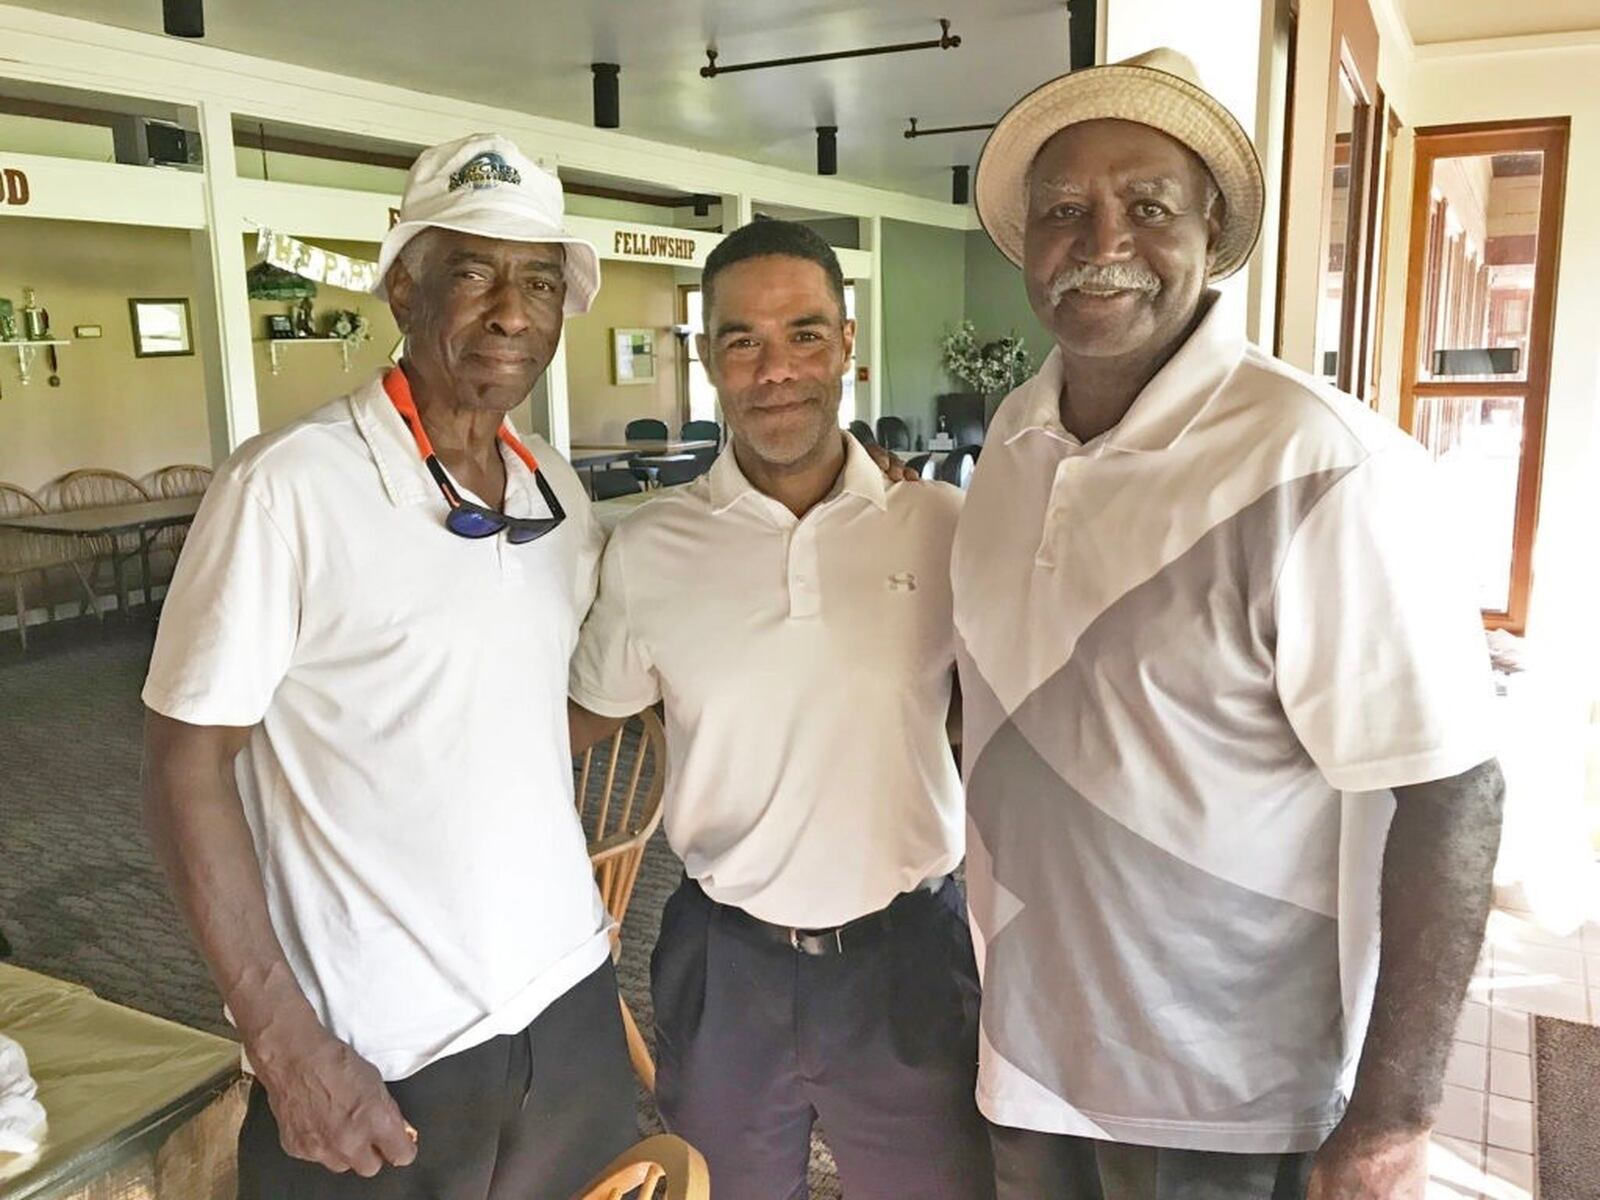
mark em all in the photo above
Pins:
pixel 859 476
pixel 1167 406
pixel 394 451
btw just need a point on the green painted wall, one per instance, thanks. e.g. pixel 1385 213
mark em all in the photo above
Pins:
pixel 996 303
pixel 923 295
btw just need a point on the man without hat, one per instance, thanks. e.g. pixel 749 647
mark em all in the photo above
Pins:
pixel 1207 634
pixel 357 766
pixel 792 608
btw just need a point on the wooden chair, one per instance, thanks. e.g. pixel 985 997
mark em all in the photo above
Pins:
pixel 91 487
pixel 641 1171
pixel 23 555
pixel 618 792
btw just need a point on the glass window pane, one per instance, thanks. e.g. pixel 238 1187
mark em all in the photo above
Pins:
pixel 1477 442
pixel 1483 236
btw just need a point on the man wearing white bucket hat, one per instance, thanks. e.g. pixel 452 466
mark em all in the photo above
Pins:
pixel 1209 646
pixel 357 765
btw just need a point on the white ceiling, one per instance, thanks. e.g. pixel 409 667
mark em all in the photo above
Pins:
pixel 534 56
pixel 1431 21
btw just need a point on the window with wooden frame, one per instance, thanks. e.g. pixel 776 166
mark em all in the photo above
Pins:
pixel 1480 307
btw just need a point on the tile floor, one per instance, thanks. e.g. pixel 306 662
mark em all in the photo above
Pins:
pixel 1483 1144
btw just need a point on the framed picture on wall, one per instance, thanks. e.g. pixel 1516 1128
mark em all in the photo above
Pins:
pixel 633 356
pixel 161 328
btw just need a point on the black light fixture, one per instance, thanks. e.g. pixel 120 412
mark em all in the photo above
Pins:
pixel 945 41
pixel 958 184
pixel 1081 18
pixel 827 149
pixel 183 18
pixel 702 205
pixel 607 102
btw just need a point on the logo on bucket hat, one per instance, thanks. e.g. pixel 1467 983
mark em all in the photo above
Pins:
pixel 484 171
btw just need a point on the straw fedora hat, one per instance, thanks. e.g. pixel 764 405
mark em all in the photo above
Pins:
pixel 1159 88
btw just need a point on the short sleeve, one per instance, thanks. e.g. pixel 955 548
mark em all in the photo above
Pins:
pixel 231 617
pixel 611 673
pixel 1381 662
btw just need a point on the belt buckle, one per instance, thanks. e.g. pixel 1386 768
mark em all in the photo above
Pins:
pixel 799 948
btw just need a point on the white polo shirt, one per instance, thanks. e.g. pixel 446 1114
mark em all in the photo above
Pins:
pixel 407 781
pixel 806 666
pixel 1188 647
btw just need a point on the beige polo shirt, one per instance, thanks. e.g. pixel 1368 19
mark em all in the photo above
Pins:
pixel 407 780
pixel 1197 652
pixel 806 668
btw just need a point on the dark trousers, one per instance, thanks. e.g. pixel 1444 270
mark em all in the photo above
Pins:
pixel 529 1116
pixel 1030 1166
pixel 756 1041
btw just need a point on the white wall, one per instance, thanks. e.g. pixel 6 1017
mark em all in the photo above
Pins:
pixel 1227 41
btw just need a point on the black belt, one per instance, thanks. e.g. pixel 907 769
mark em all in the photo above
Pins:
pixel 832 939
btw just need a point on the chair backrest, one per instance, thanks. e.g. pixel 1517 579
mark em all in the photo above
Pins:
pixel 90 487
pixel 181 479
pixel 923 465
pixel 701 431
pixel 957 466
pixel 21 551
pixel 18 501
pixel 893 434
pixel 646 428
pixel 615 483
pixel 643 1170
pixel 618 793
pixel 670 472
pixel 863 433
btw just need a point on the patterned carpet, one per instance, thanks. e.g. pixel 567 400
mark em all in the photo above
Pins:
pixel 81 896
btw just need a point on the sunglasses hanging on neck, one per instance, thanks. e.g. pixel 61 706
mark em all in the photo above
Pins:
pixel 466 519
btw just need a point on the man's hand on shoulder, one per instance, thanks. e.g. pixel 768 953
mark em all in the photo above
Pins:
pixel 1361 1164
pixel 331 1105
pixel 893 469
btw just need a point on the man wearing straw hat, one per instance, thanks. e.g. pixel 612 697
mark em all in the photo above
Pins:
pixel 357 768
pixel 1209 647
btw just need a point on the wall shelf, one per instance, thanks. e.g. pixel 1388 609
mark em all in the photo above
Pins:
pixel 275 352
pixel 26 348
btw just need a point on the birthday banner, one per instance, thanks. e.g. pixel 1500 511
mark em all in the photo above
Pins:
pixel 315 263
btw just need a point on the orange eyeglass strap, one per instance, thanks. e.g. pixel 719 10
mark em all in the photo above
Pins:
pixel 398 387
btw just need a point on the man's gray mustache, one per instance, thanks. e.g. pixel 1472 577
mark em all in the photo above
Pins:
pixel 1111 277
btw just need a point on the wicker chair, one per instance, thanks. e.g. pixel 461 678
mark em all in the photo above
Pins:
pixel 92 487
pixel 618 791
pixel 640 1172
pixel 24 555
pixel 182 479
pixel 170 483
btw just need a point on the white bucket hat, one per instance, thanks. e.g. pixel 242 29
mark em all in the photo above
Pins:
pixel 483 184
pixel 1159 88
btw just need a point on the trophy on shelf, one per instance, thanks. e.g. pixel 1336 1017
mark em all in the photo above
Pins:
pixel 8 321
pixel 35 320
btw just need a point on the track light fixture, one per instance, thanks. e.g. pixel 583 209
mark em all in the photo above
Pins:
pixel 607 101
pixel 945 41
pixel 827 149
pixel 183 18
pixel 958 184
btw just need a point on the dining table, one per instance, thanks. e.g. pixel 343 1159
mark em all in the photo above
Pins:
pixel 132 523
pixel 590 456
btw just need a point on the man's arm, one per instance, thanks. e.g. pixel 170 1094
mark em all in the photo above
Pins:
pixel 331 1105
pixel 1438 864
pixel 586 728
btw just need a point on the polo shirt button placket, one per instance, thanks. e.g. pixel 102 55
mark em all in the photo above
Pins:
pixel 1056 508
pixel 804 598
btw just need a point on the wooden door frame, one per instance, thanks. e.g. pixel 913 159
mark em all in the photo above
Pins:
pixel 1434 142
